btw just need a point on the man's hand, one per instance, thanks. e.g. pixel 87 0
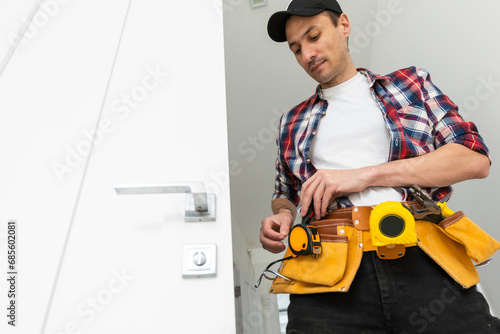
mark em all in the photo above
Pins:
pixel 274 230
pixel 327 185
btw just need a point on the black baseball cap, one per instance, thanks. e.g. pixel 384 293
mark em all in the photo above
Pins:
pixel 277 22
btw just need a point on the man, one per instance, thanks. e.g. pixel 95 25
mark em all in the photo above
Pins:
pixel 360 140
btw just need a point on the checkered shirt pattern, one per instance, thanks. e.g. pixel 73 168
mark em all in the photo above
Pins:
pixel 420 119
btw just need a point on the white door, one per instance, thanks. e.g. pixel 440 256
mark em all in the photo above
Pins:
pixel 144 82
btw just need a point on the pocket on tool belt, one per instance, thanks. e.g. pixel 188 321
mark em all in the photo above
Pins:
pixel 327 269
pixel 479 245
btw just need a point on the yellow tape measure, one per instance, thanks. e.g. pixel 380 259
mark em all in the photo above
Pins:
pixel 391 223
pixel 304 239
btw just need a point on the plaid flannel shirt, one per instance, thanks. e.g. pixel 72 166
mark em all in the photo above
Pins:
pixel 420 119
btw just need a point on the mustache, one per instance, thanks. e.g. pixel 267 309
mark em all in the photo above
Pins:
pixel 315 62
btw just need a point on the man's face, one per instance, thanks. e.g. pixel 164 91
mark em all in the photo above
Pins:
pixel 320 47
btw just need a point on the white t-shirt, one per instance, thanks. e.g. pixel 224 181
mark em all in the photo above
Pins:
pixel 353 134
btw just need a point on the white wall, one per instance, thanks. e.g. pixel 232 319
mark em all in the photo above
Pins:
pixel 159 98
pixel 456 43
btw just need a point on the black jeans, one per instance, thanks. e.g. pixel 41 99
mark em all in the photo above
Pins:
pixel 408 295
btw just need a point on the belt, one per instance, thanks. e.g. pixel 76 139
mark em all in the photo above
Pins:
pixel 359 218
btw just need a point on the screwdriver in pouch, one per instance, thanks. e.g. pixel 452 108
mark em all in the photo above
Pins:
pixel 309 215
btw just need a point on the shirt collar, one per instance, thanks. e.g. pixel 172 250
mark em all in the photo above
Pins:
pixel 318 95
pixel 372 77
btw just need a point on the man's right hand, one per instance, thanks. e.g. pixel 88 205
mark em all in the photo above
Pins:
pixel 274 230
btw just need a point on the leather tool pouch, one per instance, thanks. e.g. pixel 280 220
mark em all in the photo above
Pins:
pixel 333 270
pixel 479 245
pixel 451 244
pixel 454 243
pixel 327 269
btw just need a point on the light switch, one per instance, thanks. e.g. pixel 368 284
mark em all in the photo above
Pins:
pixel 199 260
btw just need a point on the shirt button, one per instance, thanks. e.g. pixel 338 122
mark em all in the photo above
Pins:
pixel 308 161
pixel 324 113
pixel 314 133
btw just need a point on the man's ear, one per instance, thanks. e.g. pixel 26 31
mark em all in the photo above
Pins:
pixel 343 22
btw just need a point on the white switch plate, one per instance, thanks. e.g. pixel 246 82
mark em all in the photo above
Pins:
pixel 190 268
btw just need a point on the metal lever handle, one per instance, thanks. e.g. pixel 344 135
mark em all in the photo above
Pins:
pixel 200 206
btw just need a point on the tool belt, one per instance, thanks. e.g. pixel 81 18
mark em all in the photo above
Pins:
pixel 453 243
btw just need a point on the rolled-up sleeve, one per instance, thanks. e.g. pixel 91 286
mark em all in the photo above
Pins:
pixel 286 184
pixel 449 125
pixel 452 128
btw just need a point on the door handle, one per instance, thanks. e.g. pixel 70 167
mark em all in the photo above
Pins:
pixel 200 206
